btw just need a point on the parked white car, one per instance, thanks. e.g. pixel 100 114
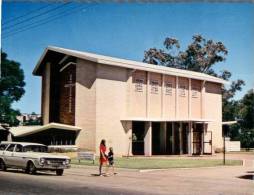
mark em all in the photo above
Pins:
pixel 31 157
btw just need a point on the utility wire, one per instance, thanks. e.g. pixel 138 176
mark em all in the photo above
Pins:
pixel 24 15
pixel 38 15
pixel 45 22
pixel 10 31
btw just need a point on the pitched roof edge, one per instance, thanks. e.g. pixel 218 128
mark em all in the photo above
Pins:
pixel 129 64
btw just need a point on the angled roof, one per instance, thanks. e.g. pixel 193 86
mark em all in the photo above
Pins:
pixel 112 61
pixel 21 131
pixel 22 143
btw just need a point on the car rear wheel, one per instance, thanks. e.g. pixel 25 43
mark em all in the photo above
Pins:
pixel 59 172
pixel 2 165
pixel 31 169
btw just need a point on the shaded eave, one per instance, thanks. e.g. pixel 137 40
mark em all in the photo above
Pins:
pixel 21 131
pixel 140 119
pixel 55 54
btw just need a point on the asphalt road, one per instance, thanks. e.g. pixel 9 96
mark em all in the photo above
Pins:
pixel 236 180
pixel 15 182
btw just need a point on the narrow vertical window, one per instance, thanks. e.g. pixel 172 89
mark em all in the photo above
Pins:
pixel 139 84
pixel 194 91
pixel 168 88
pixel 182 90
pixel 154 87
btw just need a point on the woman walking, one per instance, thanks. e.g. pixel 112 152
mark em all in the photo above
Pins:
pixel 103 156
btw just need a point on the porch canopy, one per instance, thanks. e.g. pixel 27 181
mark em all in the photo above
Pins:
pixel 22 131
pixel 229 122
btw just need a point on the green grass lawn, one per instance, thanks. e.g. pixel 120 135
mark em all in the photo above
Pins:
pixel 146 163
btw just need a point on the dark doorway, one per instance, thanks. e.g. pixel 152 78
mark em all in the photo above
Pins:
pixel 185 131
pixel 208 143
pixel 176 138
pixel 156 128
pixel 197 139
pixel 138 133
pixel 169 139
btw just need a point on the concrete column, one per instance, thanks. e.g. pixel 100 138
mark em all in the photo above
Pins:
pixel 176 99
pixel 163 137
pixel 181 138
pixel 147 94
pixel 189 99
pixel 203 100
pixel 173 138
pixel 162 95
pixel 148 139
pixel 128 128
pixel 9 137
pixel 45 107
pixel 190 138
pixel 129 95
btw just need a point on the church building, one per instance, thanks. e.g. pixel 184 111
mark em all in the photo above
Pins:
pixel 138 108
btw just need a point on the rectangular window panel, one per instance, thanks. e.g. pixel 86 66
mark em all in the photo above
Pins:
pixel 194 92
pixel 182 90
pixel 139 85
pixel 168 88
pixel 154 87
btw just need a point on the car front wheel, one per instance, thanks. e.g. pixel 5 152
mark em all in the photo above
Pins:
pixel 31 169
pixel 2 165
pixel 59 172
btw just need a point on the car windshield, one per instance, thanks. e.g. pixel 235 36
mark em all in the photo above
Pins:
pixel 35 148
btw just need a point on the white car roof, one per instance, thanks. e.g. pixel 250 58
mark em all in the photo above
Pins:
pixel 22 143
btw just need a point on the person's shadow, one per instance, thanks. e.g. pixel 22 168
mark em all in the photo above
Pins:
pixel 95 175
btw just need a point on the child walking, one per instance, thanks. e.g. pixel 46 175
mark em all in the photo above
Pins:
pixel 111 160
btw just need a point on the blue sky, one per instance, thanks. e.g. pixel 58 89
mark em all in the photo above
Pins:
pixel 126 31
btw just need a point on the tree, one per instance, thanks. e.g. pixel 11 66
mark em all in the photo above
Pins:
pixel 246 114
pixel 200 56
pixel 246 110
pixel 11 89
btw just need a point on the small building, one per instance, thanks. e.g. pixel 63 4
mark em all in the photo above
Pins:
pixel 138 108
pixel 25 118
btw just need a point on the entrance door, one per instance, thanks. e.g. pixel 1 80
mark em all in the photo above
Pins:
pixel 197 147
pixel 138 133
pixel 156 128
pixel 169 139
pixel 197 138
pixel 208 142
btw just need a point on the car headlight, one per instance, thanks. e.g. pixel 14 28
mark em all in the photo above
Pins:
pixel 67 161
pixel 42 160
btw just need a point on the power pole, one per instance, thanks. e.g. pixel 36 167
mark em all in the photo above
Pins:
pixel 224 149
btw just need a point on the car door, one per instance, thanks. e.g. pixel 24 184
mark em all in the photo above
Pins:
pixel 2 149
pixel 19 159
pixel 8 155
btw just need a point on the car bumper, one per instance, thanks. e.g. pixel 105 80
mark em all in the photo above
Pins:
pixel 52 167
